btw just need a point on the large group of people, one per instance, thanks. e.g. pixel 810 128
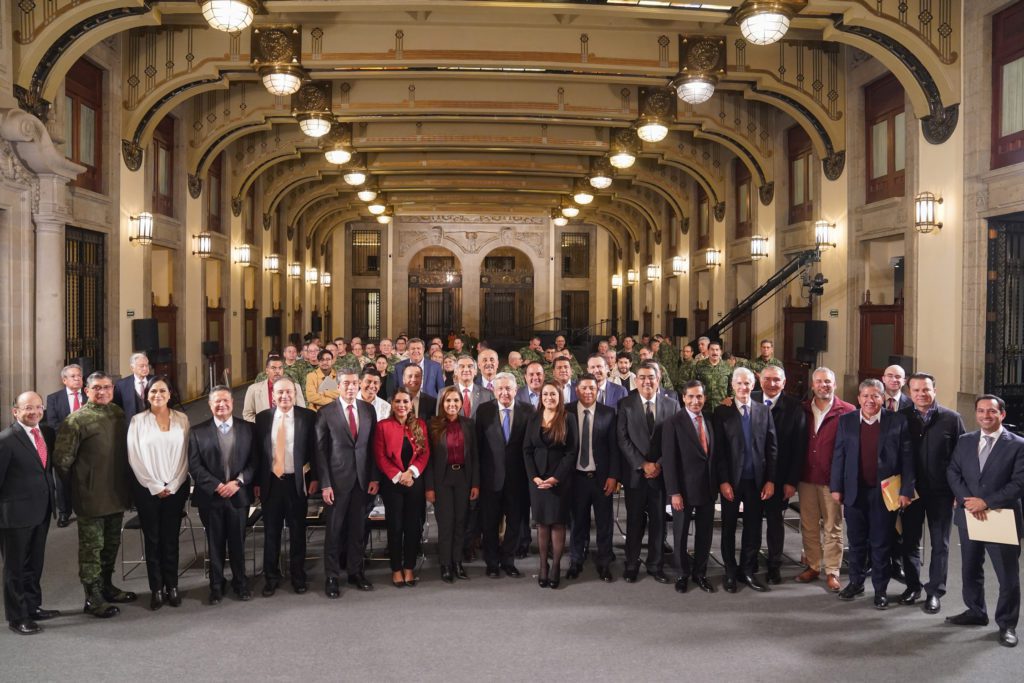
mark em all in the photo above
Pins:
pixel 489 446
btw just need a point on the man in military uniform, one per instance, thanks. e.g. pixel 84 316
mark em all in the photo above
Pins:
pixel 533 352
pixel 514 367
pixel 298 368
pixel 92 449
pixel 665 381
pixel 703 343
pixel 715 374
pixel 766 358
pixel 687 365
pixel 387 349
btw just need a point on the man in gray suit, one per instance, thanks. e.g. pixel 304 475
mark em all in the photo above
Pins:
pixel 348 477
pixel 472 393
pixel 534 377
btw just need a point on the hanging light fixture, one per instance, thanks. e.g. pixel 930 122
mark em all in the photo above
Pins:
pixel 230 16
pixel 367 194
pixel 679 265
pixel 314 125
pixel 926 209
pixel 337 144
pixel 143 226
pixel 243 255
pixel 276 51
pixel 338 154
pixel 764 22
pixel 701 63
pixel 204 245
pixel 653 271
pixel 713 257
pixel 272 263
pixel 824 234
pixel 758 247
pixel 558 219
pixel 377 207
pixel 570 211
pixel 312 276
pixel 355 177
pixel 616 281
pixel 632 277
pixel 600 174
pixel 325 279
pixel 386 217
pixel 282 81
pixel 311 105
pixel 651 129
pixel 623 148
pixel 696 89
pixel 581 193
pixel 656 110
pixel 294 271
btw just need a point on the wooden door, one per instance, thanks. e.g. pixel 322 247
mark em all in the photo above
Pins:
pixel 165 362
pixel 881 336
pixel 701 320
pixel 252 339
pixel 215 333
pixel 499 314
pixel 797 368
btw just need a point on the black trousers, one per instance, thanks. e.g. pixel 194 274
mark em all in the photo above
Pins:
pixel 225 527
pixel 403 509
pixel 775 528
pixel 869 527
pixel 645 508
pixel 23 551
pixel 451 508
pixel 282 505
pixel 747 493
pixel 63 494
pixel 703 519
pixel 346 520
pixel 1006 561
pixel 510 503
pixel 160 519
pixel 938 508
pixel 586 493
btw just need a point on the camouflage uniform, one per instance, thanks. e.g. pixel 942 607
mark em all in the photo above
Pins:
pixel 298 370
pixel 759 364
pixel 687 371
pixel 529 355
pixel 517 373
pixel 716 381
pixel 347 362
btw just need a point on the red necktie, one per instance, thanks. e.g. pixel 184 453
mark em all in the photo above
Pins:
pixel 352 422
pixel 77 404
pixel 40 445
pixel 270 393
pixel 466 408
pixel 892 404
pixel 700 433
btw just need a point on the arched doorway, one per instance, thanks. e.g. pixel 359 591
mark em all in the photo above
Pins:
pixel 435 293
pixel 506 296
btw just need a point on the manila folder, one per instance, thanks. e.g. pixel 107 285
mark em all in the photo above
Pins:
pixel 999 527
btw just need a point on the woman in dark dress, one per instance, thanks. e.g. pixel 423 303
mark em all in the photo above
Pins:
pixel 549 452
pixel 381 363
pixel 401 451
pixel 452 480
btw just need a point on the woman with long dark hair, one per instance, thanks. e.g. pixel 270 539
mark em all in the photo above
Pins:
pixel 549 451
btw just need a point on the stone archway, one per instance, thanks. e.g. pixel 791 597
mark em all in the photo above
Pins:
pixel 506 288
pixel 435 293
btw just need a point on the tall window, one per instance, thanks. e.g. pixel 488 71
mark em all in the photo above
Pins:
pixel 163 167
pixel 84 291
pixel 744 224
pixel 801 185
pixel 366 313
pixel 366 252
pixel 703 219
pixel 214 194
pixel 886 130
pixel 83 122
pixel 575 254
pixel 1008 86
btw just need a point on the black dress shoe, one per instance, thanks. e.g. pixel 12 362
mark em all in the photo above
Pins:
pixel 446 573
pixel 245 595
pixel 156 601
pixel 172 597
pixel 968 618
pixel 774 576
pixel 1008 637
pixel 754 584
pixel 269 588
pixel 932 605
pixel 493 573
pixel 630 575
pixel 659 576
pixel 909 596
pixel 215 597
pixel 460 572
pixel 361 582
pixel 682 583
pixel 26 627
pixel 605 574
pixel 851 591
pixel 511 570
pixel 63 520
pixel 703 583
pixel 331 588
pixel 729 584
pixel 574 571
pixel 881 601
pixel 300 588
pixel 40 614
pixel 896 572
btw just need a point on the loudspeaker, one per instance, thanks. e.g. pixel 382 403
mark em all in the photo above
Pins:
pixel 296 339
pixel 632 328
pixel 816 335
pixel 806 355
pixel 211 348
pixel 272 327
pixel 905 362
pixel 162 355
pixel 145 336
pixel 318 323
pixel 679 326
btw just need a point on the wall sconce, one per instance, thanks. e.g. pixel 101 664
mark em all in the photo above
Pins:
pixel 616 281
pixel 926 210
pixel 272 263
pixel 758 247
pixel 653 271
pixel 294 271
pixel 243 255
pixel 713 257
pixel 312 276
pixel 824 235
pixel 632 276
pixel 143 227
pixel 204 245
pixel 679 265
pixel 325 279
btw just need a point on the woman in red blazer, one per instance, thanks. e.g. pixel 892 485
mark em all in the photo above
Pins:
pixel 401 451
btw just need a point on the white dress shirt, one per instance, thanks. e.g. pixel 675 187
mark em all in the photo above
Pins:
pixel 159 459
pixel 71 400
pixel 819 415
pixel 380 406
pixel 864 419
pixel 281 417
pixel 355 411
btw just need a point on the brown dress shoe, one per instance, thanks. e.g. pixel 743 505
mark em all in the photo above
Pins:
pixel 833 583
pixel 808 575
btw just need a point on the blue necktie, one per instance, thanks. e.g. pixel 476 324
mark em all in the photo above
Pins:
pixel 533 399
pixel 506 426
pixel 224 428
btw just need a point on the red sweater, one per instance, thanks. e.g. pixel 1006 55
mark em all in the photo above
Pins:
pixel 818 465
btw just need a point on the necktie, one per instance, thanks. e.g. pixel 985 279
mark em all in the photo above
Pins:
pixel 40 445
pixel 985 451
pixel 768 402
pixel 352 422
pixel 585 441
pixel 534 398
pixel 600 396
pixel 224 428
pixel 77 404
pixel 701 434
pixel 280 447
pixel 892 405
pixel 506 423
pixel 141 389
pixel 490 386
pixel 649 410
pixel 466 408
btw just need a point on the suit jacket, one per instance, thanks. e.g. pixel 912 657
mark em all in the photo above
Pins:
pixel 341 461
pixel 257 399
pixel 388 441
pixel 604 447
pixel 26 487
pixel 689 470
pixel 933 445
pixel 731 444
pixel 613 393
pixel 894 455
pixel 477 397
pixel 543 459
pixel 433 377
pixel 501 464
pixel 303 450
pixel 125 396
pixel 206 466
pixel 1000 484
pixel 905 402
pixel 791 435
pixel 57 408
pixel 523 396
pixel 437 467
pixel 427 407
pixel 636 445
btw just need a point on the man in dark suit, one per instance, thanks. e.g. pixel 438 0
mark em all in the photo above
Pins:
pixel 59 405
pixel 934 432
pixel 746 462
pixel 894 400
pixel 500 428
pixel 534 376
pixel 473 395
pixel 691 482
pixel 597 476
pixel 871 445
pixel 608 393
pixel 222 459
pixel 638 428
pixel 26 504
pixel 986 474
pixel 561 371
pixel 348 478
pixel 423 404
pixel 790 422
pixel 286 439
pixel 130 391
pixel 433 373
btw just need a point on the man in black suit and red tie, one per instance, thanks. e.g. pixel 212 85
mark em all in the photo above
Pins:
pixel 59 405
pixel 986 474
pixel 130 391
pixel 26 504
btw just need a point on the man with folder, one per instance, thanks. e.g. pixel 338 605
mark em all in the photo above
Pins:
pixel 987 478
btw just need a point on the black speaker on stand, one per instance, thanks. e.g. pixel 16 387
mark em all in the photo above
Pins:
pixel 679 326
pixel 816 335
pixel 272 327
pixel 632 328
pixel 145 335
pixel 210 350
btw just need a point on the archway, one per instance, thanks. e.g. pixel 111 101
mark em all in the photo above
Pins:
pixel 435 293
pixel 506 296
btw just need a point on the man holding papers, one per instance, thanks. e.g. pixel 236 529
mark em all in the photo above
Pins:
pixel 987 478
